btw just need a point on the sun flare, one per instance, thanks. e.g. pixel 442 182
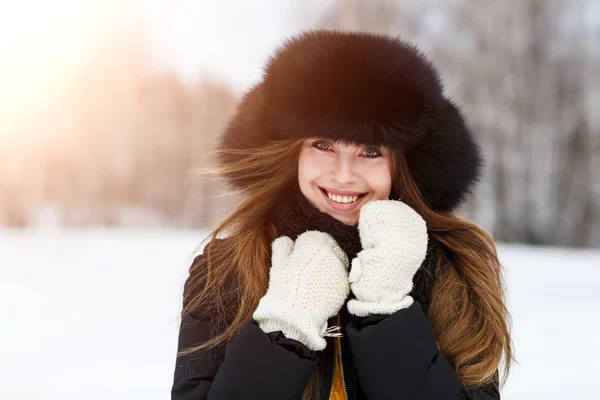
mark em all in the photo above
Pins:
pixel 39 40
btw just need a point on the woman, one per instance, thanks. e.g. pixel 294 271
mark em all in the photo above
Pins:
pixel 343 273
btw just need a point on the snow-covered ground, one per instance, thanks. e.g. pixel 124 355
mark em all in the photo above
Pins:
pixel 94 315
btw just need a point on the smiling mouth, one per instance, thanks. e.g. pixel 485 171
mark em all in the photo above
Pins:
pixel 341 199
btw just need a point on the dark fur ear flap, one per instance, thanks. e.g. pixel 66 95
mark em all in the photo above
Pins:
pixel 243 132
pixel 446 164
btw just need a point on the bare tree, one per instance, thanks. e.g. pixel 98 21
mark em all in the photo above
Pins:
pixel 122 141
pixel 526 93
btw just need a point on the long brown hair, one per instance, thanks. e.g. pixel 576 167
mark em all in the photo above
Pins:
pixel 467 310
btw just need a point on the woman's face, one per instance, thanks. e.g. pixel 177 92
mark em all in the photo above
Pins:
pixel 339 178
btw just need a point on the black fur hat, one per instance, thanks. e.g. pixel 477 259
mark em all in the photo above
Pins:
pixel 365 89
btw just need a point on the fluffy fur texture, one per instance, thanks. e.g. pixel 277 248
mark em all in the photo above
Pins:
pixel 365 89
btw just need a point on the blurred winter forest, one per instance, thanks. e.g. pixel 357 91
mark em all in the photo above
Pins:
pixel 113 140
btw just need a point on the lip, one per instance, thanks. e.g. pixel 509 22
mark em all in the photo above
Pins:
pixel 341 192
pixel 343 206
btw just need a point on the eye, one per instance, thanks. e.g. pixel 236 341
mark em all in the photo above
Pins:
pixel 322 146
pixel 371 153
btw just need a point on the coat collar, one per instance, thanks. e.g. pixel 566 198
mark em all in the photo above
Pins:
pixel 294 215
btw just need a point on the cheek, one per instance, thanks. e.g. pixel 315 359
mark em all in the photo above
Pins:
pixel 308 169
pixel 311 166
pixel 303 169
pixel 379 180
pixel 383 188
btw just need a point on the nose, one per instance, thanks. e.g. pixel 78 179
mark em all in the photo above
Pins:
pixel 343 170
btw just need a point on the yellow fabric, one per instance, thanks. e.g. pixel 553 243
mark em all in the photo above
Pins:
pixel 337 391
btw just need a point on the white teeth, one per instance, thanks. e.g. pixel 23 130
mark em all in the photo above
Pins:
pixel 342 199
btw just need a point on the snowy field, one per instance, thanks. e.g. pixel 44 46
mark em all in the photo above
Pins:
pixel 94 315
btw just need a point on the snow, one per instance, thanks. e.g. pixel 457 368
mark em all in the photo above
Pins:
pixel 553 296
pixel 94 314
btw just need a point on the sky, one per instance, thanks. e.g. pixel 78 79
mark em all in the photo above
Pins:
pixel 226 39
pixel 41 42
pixel 231 39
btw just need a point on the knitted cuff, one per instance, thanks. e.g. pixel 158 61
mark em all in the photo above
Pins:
pixel 274 315
pixel 364 309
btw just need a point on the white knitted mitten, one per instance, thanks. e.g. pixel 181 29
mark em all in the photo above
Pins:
pixel 308 284
pixel 394 240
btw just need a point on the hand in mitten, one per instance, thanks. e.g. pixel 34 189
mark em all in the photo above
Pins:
pixel 394 240
pixel 308 284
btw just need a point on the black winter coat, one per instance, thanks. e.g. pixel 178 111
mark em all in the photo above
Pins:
pixel 383 357
pixel 393 357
